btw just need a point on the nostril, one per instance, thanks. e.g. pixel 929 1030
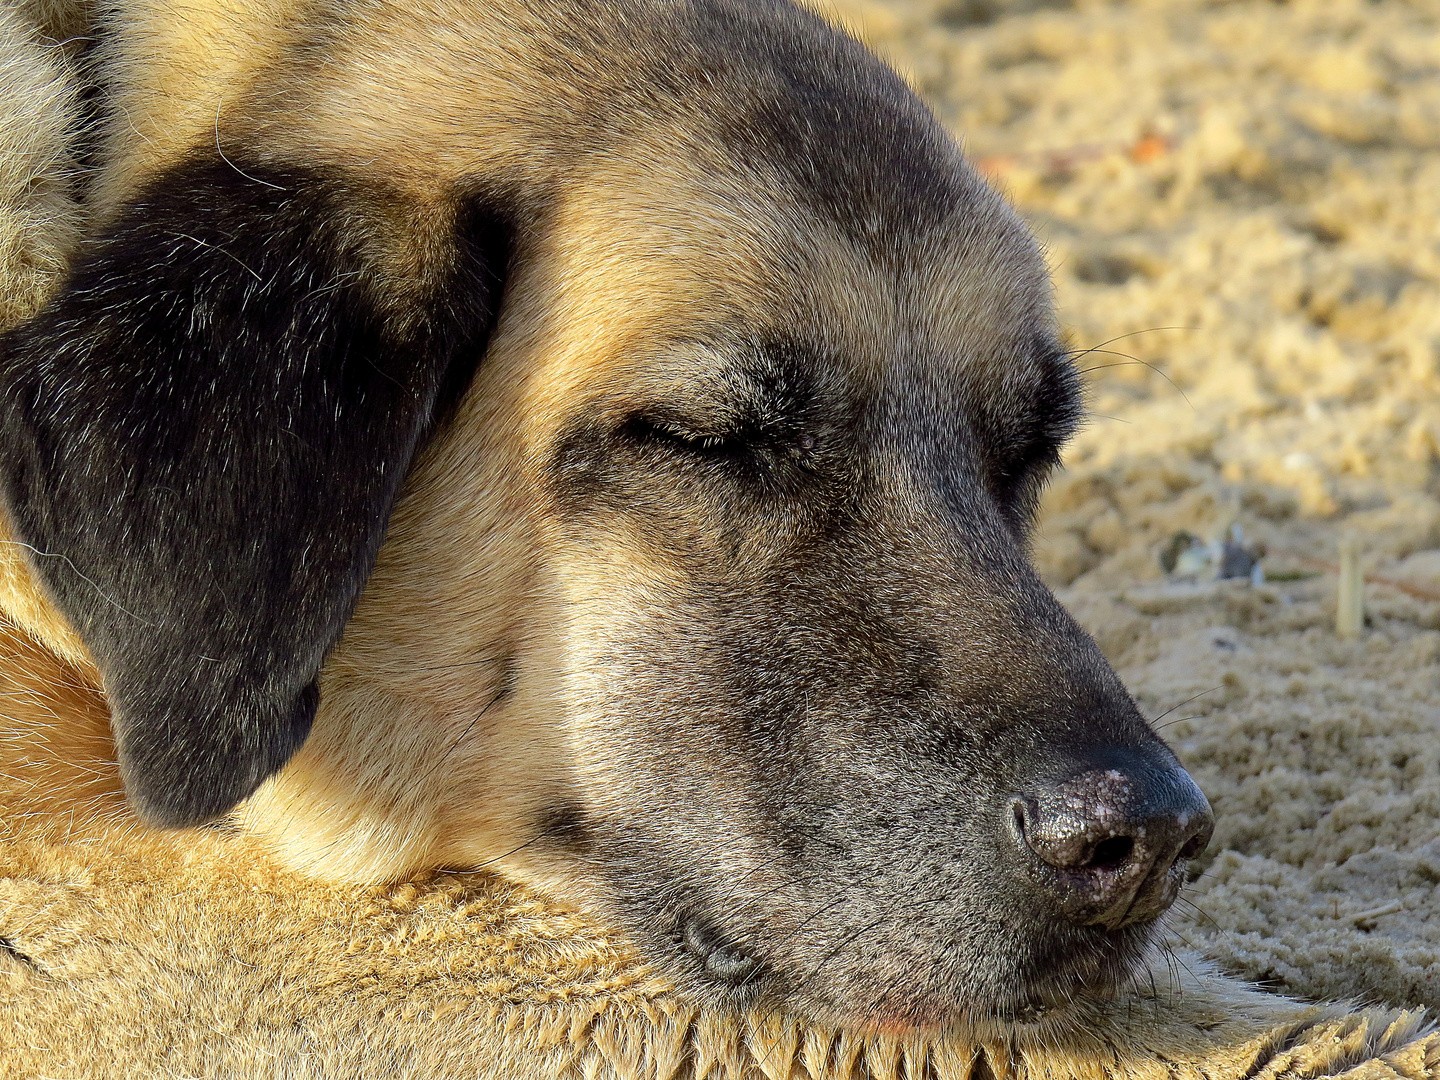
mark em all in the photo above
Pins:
pixel 1102 846
pixel 1017 813
pixel 1202 828
pixel 1074 837
pixel 1110 853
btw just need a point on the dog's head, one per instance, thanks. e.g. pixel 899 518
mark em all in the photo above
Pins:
pixel 712 448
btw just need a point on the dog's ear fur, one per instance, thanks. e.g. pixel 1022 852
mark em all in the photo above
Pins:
pixel 202 437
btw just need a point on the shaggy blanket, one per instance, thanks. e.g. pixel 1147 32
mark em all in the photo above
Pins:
pixel 143 955
pixel 1253 170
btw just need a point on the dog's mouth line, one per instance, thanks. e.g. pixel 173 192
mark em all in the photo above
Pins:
pixel 721 960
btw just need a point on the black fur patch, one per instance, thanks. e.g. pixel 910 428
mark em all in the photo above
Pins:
pixel 565 826
pixel 202 437
pixel 859 147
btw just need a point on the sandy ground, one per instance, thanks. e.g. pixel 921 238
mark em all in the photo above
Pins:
pixel 1246 197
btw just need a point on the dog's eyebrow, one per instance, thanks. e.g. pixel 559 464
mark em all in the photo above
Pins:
pixel 731 388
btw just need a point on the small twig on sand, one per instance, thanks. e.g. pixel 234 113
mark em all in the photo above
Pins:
pixel 1361 918
pixel 1349 592
pixel 1419 592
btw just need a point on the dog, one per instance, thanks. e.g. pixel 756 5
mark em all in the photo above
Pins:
pixel 598 442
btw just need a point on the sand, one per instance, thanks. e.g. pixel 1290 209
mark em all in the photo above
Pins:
pixel 1246 197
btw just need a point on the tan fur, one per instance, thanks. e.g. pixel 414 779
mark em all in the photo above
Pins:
pixel 38 216
pixel 55 749
pixel 409 765
pixel 24 601
pixel 62 21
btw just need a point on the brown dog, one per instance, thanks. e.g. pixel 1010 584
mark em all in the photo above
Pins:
pixel 699 393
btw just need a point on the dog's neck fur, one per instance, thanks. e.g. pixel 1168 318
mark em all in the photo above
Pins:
pixel 58 773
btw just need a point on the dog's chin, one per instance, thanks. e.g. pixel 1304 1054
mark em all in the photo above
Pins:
pixel 1066 984
pixel 1053 1004
pixel 1049 991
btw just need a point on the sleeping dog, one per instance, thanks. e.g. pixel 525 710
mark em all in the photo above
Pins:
pixel 597 441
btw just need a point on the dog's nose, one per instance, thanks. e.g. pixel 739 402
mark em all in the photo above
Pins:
pixel 1106 845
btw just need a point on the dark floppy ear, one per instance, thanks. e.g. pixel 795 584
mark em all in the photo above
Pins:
pixel 202 436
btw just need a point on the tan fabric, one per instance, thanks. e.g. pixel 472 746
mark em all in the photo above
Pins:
pixel 126 953
pixel 139 955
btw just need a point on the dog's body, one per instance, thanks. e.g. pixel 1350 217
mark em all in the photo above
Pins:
pixel 705 598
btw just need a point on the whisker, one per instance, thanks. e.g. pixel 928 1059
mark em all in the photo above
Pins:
pixel 1176 955
pixel 865 930
pixel 1182 704
pixel 1076 354
pixel 1170 962
pixel 850 940
pixel 774 888
pixel 846 943
pixel 825 960
pixel 494 700
pixel 1199 911
pixel 1154 990
pixel 539 835
pixel 795 932
pixel 1180 720
pixel 882 996
pixel 1101 350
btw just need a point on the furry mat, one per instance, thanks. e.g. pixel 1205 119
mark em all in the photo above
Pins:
pixel 1256 173
pixel 138 955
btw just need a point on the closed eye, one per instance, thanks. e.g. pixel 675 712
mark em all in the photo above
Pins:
pixel 675 435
